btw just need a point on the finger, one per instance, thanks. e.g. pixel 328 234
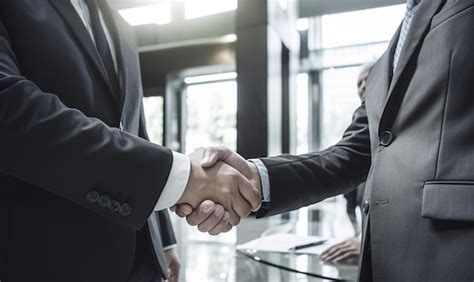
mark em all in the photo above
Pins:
pixel 213 220
pixel 227 228
pixel 250 193
pixel 241 206
pixel 173 208
pixel 336 254
pixel 202 212
pixel 331 251
pixel 234 218
pixel 175 273
pixel 223 229
pixel 184 210
pixel 213 154
pixel 327 251
pixel 347 255
pixel 228 156
pixel 222 226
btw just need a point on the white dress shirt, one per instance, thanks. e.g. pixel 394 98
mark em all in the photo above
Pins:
pixel 181 167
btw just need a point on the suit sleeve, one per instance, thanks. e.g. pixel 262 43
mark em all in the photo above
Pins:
pixel 60 150
pixel 166 227
pixel 297 181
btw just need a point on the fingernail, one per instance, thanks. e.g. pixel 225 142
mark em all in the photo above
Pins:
pixel 207 208
pixel 219 212
pixel 187 209
pixel 206 159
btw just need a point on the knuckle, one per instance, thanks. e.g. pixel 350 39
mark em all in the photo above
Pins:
pixel 202 228
pixel 191 221
pixel 235 221
pixel 213 232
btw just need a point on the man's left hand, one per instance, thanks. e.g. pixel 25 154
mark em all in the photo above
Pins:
pixel 174 265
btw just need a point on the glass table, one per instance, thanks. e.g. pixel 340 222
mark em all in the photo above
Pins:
pixel 303 265
pixel 213 261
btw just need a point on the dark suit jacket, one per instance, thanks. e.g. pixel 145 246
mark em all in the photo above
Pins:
pixel 414 138
pixel 75 191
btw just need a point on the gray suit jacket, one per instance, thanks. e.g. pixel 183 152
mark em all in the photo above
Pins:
pixel 414 138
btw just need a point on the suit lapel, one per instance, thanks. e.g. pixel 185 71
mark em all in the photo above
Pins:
pixel 387 62
pixel 379 82
pixel 72 19
pixel 418 29
pixel 129 75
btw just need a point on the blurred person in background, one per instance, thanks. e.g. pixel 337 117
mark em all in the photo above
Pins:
pixel 350 249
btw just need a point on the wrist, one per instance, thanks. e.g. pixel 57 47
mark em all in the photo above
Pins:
pixel 194 185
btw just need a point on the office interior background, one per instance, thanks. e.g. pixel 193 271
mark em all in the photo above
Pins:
pixel 263 77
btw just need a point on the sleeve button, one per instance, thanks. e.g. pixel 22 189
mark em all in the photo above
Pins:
pixel 386 138
pixel 114 206
pixel 104 201
pixel 93 196
pixel 125 209
pixel 365 207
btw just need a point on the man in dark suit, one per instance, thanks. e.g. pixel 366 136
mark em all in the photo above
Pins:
pixel 412 140
pixel 83 194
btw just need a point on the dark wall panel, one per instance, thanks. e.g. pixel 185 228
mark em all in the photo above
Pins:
pixel 156 65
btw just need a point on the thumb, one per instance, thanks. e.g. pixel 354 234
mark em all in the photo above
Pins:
pixel 240 164
pixel 212 155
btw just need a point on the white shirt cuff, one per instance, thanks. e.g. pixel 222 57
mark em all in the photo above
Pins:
pixel 166 248
pixel 264 179
pixel 177 181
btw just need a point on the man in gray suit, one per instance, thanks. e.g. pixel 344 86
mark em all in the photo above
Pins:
pixel 412 141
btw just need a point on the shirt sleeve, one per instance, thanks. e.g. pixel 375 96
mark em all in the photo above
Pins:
pixel 264 179
pixel 167 248
pixel 177 181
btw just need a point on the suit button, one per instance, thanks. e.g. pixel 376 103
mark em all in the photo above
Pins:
pixel 365 207
pixel 114 206
pixel 125 209
pixel 386 138
pixel 104 201
pixel 93 196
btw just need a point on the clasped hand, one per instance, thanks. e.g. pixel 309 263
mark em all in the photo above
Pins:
pixel 222 188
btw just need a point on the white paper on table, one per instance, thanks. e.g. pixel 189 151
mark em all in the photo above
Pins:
pixel 282 243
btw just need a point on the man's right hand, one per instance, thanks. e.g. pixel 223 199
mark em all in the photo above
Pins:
pixel 221 184
pixel 209 216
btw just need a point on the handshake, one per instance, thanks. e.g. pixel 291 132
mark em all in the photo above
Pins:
pixel 222 188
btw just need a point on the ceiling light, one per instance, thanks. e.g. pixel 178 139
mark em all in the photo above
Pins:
pixel 157 13
pixel 195 9
pixel 229 38
pixel 210 78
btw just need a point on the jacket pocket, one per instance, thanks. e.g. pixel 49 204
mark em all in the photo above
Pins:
pixel 448 200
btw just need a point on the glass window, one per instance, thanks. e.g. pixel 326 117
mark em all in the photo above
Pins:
pixel 211 117
pixel 153 107
pixel 302 113
pixel 360 27
pixel 195 9
pixel 339 101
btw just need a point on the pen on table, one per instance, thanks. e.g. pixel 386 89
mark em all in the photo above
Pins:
pixel 304 246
